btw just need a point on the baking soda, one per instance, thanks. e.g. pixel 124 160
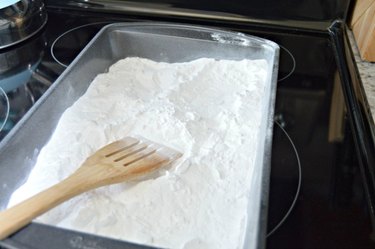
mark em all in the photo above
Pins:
pixel 210 110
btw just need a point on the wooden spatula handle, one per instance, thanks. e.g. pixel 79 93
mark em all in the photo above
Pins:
pixel 23 213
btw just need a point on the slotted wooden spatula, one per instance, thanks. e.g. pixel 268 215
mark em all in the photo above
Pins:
pixel 125 159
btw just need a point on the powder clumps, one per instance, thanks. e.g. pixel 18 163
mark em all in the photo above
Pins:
pixel 208 109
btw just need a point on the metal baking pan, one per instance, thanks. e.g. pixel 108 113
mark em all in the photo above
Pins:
pixel 159 42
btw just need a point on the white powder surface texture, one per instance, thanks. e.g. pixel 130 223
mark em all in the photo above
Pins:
pixel 210 110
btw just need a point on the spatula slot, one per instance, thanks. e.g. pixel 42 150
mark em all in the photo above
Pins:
pixel 131 153
pixel 140 158
pixel 122 149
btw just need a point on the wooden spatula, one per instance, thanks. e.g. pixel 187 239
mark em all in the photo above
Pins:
pixel 126 159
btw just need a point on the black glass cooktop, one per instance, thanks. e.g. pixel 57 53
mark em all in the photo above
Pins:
pixel 317 197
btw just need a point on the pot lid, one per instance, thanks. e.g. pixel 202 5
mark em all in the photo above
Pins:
pixel 20 20
pixel 6 3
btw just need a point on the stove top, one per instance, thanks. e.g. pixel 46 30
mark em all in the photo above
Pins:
pixel 317 194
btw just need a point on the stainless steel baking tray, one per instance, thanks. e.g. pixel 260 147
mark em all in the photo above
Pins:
pixel 159 42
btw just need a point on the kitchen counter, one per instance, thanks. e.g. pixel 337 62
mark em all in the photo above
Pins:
pixel 367 73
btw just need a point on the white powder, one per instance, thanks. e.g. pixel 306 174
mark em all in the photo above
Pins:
pixel 210 110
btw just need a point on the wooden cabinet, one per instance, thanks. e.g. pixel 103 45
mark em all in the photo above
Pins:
pixel 363 26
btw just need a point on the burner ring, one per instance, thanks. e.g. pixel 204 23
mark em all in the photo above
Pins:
pixel 293 65
pixel 5 99
pixel 53 45
pixel 278 225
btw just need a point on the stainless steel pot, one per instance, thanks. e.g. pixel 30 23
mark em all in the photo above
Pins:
pixel 19 20
pixel 18 63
